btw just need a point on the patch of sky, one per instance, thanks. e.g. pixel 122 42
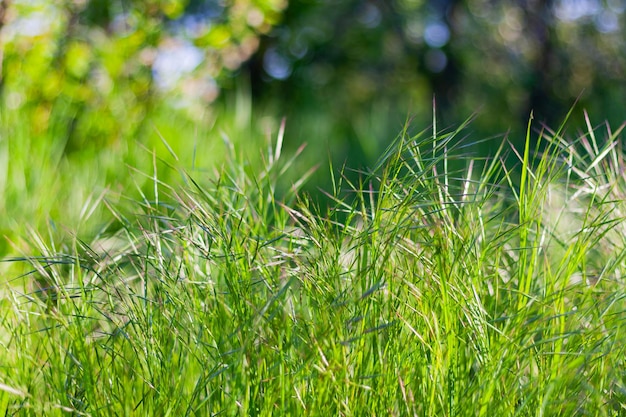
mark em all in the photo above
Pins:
pixel 607 22
pixel 38 22
pixel 276 64
pixel 436 34
pixel 572 10
pixel 604 16
pixel 173 61
pixel 205 9
pixel 179 57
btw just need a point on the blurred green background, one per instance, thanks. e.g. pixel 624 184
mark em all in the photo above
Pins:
pixel 346 74
pixel 88 87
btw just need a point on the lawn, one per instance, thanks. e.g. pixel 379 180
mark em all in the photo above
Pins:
pixel 169 281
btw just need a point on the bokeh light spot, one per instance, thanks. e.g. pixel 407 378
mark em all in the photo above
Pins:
pixel 436 34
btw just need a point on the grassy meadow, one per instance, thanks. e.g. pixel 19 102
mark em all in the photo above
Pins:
pixel 193 277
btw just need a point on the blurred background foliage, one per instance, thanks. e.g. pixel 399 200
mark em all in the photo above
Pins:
pixel 103 67
pixel 365 65
pixel 346 73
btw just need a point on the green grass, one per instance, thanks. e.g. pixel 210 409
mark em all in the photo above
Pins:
pixel 439 284
pixel 43 187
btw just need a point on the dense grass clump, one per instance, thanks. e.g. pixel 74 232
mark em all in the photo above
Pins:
pixel 437 285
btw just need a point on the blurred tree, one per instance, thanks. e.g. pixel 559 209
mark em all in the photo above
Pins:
pixel 351 68
pixel 94 69
pixel 504 57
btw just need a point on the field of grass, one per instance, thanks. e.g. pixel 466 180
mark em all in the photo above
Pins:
pixel 438 284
